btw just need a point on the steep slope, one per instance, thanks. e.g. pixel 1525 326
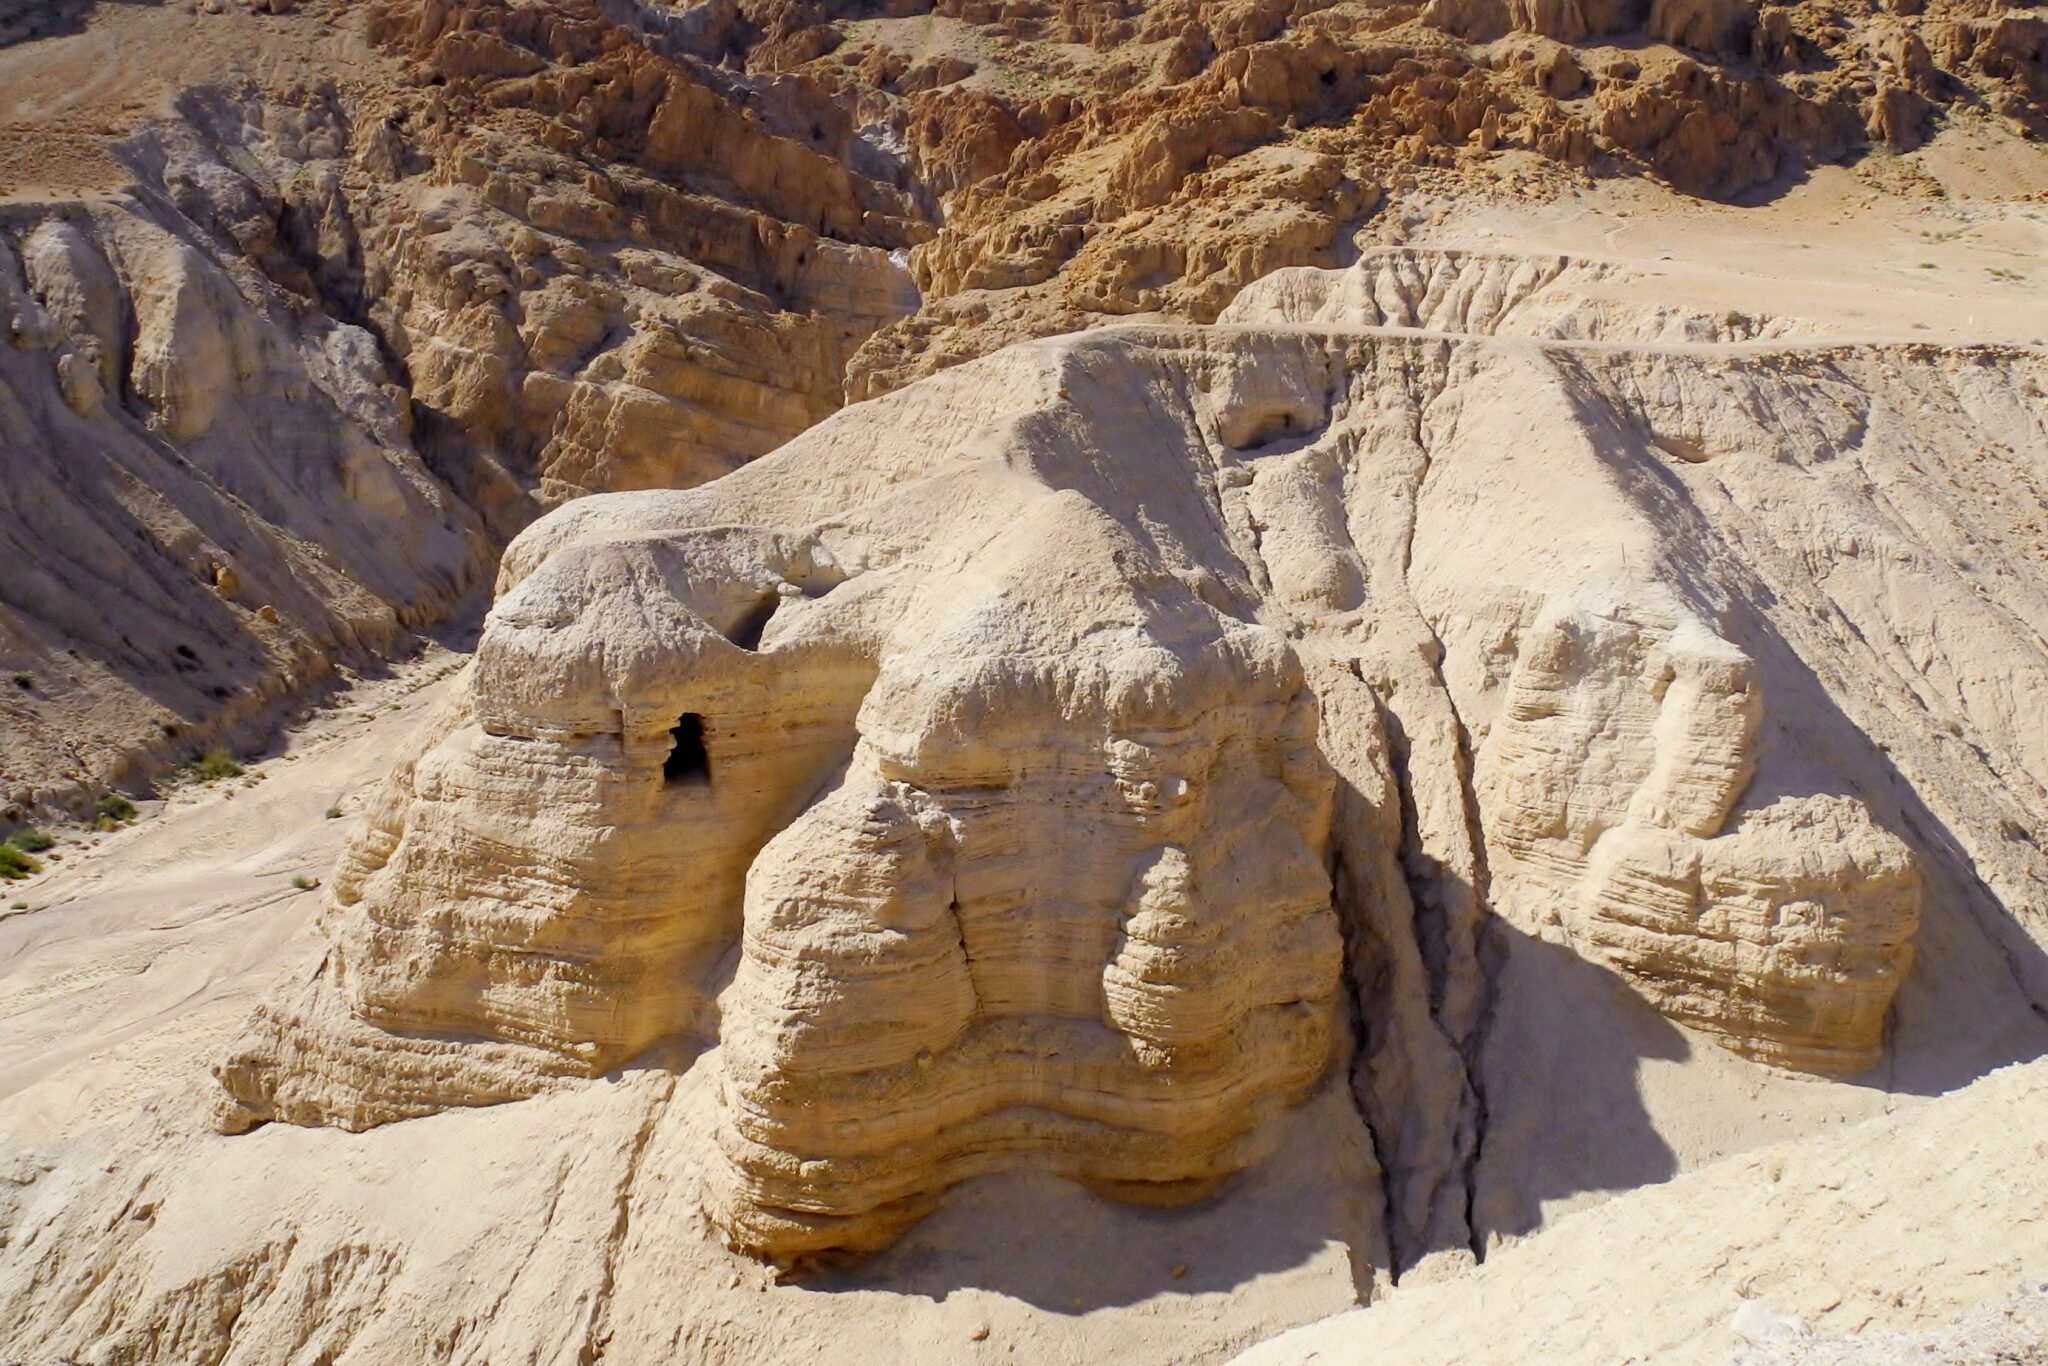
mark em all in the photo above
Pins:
pixel 618 245
pixel 168 585
pixel 341 335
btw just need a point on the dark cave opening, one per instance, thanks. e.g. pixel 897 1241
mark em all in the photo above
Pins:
pixel 687 761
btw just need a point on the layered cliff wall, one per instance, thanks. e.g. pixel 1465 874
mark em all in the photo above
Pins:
pixel 1048 742
pixel 346 334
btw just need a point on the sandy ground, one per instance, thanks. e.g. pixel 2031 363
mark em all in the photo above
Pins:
pixel 1859 254
pixel 63 99
pixel 141 950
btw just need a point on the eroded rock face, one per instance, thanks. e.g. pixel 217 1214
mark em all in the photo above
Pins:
pixel 395 319
pixel 582 247
pixel 923 996
pixel 851 780
pixel 175 580
pixel 1046 766
pixel 1784 932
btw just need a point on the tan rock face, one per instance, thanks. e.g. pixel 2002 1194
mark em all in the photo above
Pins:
pixel 1240 140
pixel 504 258
pixel 1043 767
pixel 1784 932
pixel 922 996
pixel 601 247
pixel 918 998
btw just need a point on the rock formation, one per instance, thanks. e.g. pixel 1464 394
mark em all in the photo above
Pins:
pixel 1784 934
pixel 172 580
pixel 1044 737
pixel 1362 745
pixel 588 247
pixel 451 318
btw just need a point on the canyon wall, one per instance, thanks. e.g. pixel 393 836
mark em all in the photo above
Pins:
pixel 336 341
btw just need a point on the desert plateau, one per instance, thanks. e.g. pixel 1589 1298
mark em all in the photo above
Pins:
pixel 1036 681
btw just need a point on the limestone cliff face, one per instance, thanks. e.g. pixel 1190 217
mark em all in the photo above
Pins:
pixel 1784 932
pixel 602 266
pixel 1208 146
pixel 1071 761
pixel 853 778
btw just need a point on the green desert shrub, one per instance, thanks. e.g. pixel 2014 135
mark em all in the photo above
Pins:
pixel 14 864
pixel 214 765
pixel 113 809
pixel 31 840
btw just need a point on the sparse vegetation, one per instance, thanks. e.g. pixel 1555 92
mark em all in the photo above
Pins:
pixel 212 766
pixel 304 883
pixel 18 906
pixel 112 811
pixel 31 840
pixel 334 813
pixel 15 865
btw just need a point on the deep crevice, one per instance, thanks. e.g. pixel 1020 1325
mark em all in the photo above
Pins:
pixel 1484 942
pixel 1359 953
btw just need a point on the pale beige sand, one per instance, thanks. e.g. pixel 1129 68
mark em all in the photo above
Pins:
pixel 142 948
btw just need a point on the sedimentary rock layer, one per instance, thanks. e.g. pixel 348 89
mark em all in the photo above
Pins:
pixel 1004 772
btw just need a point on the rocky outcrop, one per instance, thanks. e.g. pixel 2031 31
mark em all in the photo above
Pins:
pixel 174 582
pixel 611 246
pixel 913 1003
pixel 598 268
pixel 1193 609
pixel 1266 137
pixel 536 260
pixel 1785 934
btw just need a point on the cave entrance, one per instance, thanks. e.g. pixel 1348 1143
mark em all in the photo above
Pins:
pixel 687 760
